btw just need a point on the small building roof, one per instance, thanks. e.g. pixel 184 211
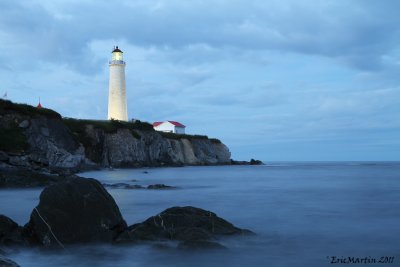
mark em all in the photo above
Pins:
pixel 177 124
pixel 116 49
pixel 156 123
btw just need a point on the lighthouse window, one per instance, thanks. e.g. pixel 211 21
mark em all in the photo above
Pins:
pixel 117 56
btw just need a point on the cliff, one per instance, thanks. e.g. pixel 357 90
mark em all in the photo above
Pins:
pixel 40 139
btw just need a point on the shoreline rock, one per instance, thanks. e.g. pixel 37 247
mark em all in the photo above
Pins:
pixel 81 211
pixel 243 162
pixel 160 187
pixel 73 212
pixel 193 227
pixel 137 186
pixel 25 178
pixel 10 233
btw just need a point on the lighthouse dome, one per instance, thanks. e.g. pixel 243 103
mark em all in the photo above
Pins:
pixel 116 49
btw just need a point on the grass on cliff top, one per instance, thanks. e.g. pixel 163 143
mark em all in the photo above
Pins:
pixel 12 139
pixel 7 107
pixel 188 136
pixel 111 126
pixel 108 126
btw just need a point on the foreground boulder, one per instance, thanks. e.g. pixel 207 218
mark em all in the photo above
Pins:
pixel 10 233
pixel 80 211
pixel 4 262
pixel 75 211
pixel 191 225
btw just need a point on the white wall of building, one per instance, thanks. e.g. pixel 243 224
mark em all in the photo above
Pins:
pixel 117 106
pixel 179 130
pixel 169 128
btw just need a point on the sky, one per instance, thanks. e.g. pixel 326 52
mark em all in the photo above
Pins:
pixel 274 80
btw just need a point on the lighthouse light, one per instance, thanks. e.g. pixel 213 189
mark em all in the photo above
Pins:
pixel 117 56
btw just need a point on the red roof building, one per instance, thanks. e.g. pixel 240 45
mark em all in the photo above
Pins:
pixel 169 127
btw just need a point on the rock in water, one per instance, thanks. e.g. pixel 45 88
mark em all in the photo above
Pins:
pixel 76 211
pixel 256 162
pixel 160 186
pixel 184 224
pixel 10 232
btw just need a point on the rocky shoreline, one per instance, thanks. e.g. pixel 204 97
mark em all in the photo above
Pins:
pixel 23 177
pixel 81 211
pixel 38 147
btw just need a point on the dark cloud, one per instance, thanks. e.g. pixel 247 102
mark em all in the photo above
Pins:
pixel 354 31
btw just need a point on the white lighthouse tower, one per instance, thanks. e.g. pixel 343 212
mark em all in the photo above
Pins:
pixel 117 107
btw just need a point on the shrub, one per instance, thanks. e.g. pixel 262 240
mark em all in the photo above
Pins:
pixel 12 139
pixel 215 140
pixel 188 136
pixel 108 126
pixel 135 134
pixel 7 106
pixel 78 126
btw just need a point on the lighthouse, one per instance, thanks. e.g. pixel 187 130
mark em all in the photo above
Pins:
pixel 117 107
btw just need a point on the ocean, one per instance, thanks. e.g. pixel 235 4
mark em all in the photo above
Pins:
pixel 303 214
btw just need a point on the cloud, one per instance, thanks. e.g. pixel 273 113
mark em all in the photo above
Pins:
pixel 352 32
pixel 254 72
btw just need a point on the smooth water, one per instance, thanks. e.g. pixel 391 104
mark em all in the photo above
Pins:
pixel 302 213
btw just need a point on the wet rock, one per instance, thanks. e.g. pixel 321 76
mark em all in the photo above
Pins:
pixel 239 162
pixel 251 162
pixel 10 233
pixel 123 186
pixel 136 186
pixel 183 224
pixel 4 262
pixel 160 186
pixel 194 234
pixel 76 211
pixel 23 178
pixel 255 162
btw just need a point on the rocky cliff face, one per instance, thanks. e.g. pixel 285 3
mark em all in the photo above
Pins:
pixel 49 146
pixel 48 143
pixel 149 148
